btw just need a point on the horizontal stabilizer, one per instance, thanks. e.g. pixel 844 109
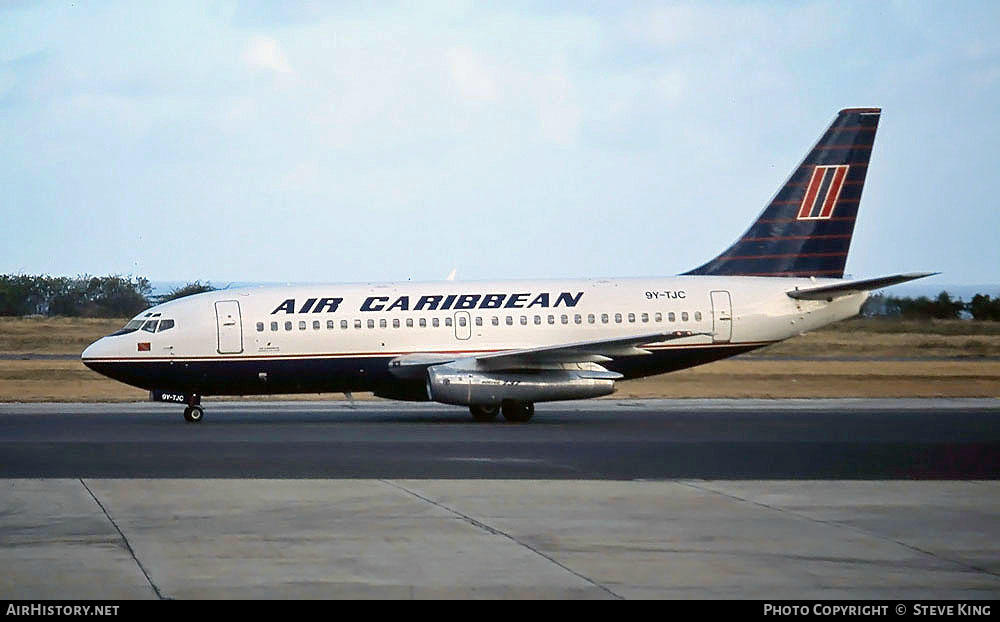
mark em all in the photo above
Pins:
pixel 846 288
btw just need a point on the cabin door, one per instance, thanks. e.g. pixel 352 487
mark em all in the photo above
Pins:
pixel 722 317
pixel 463 325
pixel 227 315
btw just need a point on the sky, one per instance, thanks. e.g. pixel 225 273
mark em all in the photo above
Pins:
pixel 303 141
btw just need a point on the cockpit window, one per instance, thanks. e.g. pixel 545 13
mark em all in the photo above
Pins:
pixel 165 325
pixel 150 326
pixel 131 327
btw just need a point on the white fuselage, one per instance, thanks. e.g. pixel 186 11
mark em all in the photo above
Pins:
pixel 273 339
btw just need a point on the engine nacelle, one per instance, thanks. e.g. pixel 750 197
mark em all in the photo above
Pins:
pixel 449 385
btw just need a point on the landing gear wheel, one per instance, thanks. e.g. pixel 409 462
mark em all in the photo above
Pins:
pixel 485 413
pixel 194 414
pixel 517 411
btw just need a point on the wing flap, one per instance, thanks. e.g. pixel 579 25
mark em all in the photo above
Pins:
pixel 597 351
pixel 601 350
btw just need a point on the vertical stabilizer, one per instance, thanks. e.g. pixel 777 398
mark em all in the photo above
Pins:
pixel 806 229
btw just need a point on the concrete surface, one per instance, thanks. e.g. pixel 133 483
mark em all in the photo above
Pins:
pixel 498 539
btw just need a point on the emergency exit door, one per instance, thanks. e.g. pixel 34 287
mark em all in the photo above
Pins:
pixel 722 317
pixel 227 315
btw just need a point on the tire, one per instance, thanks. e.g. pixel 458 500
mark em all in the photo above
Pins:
pixel 518 412
pixel 194 414
pixel 485 413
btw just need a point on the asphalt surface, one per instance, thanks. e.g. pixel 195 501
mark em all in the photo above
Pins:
pixel 590 440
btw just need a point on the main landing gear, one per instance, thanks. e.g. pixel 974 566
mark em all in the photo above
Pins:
pixel 514 411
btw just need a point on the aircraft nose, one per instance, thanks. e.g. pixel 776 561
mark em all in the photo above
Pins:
pixel 93 351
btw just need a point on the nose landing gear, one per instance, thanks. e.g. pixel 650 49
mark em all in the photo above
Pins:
pixel 194 412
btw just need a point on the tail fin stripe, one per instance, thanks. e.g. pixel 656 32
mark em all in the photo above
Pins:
pixel 795 273
pixel 778 221
pixel 831 147
pixel 824 191
pixel 842 201
pixel 783 255
pixel 851 164
pixel 834 193
pixel 831 236
pixel 814 184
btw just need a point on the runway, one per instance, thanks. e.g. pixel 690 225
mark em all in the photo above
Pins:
pixel 709 499
pixel 587 440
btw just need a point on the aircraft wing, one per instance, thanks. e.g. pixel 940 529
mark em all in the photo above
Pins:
pixel 596 351
pixel 846 288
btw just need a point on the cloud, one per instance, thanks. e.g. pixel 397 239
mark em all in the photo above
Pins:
pixel 470 75
pixel 265 53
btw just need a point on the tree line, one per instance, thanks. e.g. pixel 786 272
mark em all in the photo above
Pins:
pixel 124 296
pixel 943 307
pixel 83 296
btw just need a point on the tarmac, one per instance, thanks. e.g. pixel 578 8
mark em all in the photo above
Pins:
pixel 573 531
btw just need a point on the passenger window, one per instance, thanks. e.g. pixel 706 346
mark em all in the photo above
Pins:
pixel 435 322
pixel 260 327
pixel 564 319
pixel 423 322
pixel 302 324
pixel 479 321
pixel 330 325
pixel 371 323
pixel 684 316
pixel 618 318
pixel 495 321
pixel 461 320
pixel 274 326
pixel 631 317
pixel 538 320
pixel 357 324
pixel 644 317
pixel 343 324
pixel 524 320
pixel 447 321
pixel 578 318
pixel 395 322
pixel 658 317
pixel 150 326
pixel 315 324
pixel 168 324
pixel 509 321
pixel 671 317
pixel 590 318
pixel 604 318
pixel 382 323
pixel 552 319
pixel 288 326
pixel 697 316
pixel 409 322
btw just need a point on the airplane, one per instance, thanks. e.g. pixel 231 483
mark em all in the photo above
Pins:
pixel 503 346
